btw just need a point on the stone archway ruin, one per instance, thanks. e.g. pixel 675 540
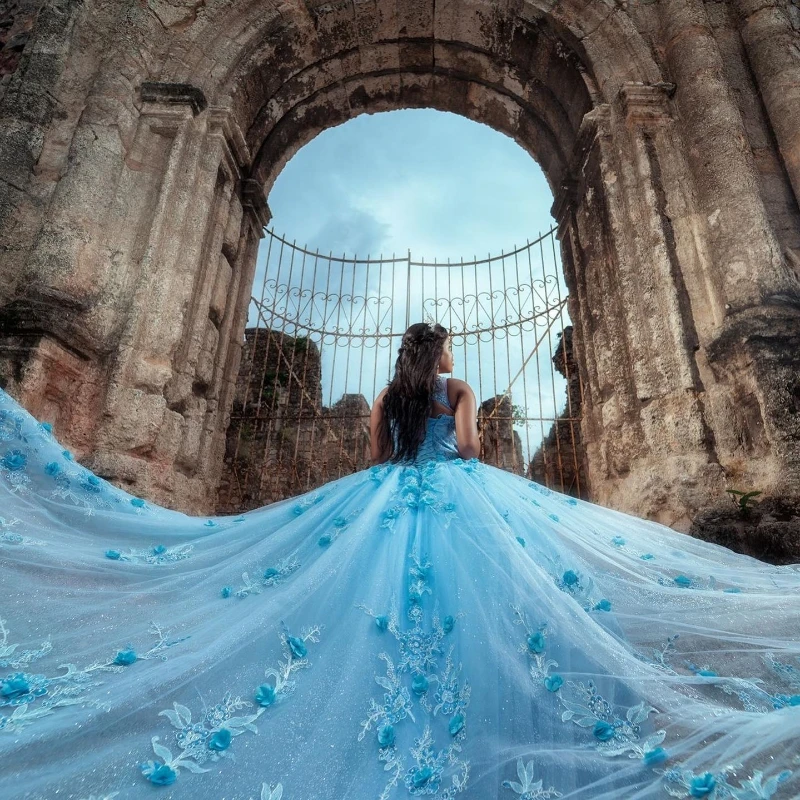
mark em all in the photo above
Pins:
pixel 141 141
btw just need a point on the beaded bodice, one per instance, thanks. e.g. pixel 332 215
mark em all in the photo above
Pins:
pixel 440 439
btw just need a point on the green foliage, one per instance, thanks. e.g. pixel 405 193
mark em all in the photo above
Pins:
pixel 743 500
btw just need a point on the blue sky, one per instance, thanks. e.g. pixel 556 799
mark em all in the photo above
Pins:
pixel 431 181
pixel 439 185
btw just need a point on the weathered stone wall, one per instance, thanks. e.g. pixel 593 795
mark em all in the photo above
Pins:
pixel 282 440
pixel 501 445
pixel 140 140
pixel 560 461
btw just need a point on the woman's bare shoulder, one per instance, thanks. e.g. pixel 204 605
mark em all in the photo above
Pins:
pixel 381 395
pixel 457 385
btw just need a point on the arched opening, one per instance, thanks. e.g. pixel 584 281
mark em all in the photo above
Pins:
pixel 325 322
pixel 125 325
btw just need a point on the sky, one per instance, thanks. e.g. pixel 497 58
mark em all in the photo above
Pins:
pixel 441 186
pixel 431 181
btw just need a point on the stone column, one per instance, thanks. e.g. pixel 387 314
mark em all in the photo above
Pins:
pixel 162 400
pixel 749 266
pixel 773 48
pixel 643 421
pixel 753 355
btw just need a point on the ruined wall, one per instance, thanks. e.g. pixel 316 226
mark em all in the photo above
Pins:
pixel 282 440
pixel 140 141
pixel 560 461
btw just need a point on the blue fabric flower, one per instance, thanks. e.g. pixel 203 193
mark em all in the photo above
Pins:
pixel 226 591
pixel 572 501
pixel 386 735
pixel 159 549
pixel 15 686
pixel 162 775
pixel 382 621
pixel 419 685
pixel 46 427
pixel 683 581
pixel 603 731
pixel 570 578
pixel 647 556
pixel 114 555
pixel 297 646
pixel 732 590
pixel 221 740
pixel 271 572
pixel 536 642
pixel 324 540
pixel 52 469
pixel 702 785
pixel 707 673
pixel 657 756
pixel 14 460
pixel 210 523
pixel 265 695
pixel 618 541
pixel 421 776
pixel 137 502
pixel 125 658
pixel 448 623
pixel 521 540
pixel 67 455
pixel 603 605
pixel 553 517
pixel 553 682
pixel 456 724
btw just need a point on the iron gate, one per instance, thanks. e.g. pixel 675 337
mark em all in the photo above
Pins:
pixel 321 342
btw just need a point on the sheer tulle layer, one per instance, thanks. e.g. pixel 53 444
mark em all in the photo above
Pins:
pixel 445 629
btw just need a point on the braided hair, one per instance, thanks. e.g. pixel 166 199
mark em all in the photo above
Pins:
pixel 409 399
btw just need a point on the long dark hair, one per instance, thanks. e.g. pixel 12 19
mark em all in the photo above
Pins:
pixel 409 399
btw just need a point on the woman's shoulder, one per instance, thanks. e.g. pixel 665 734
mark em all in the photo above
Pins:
pixel 456 384
pixel 456 389
pixel 379 399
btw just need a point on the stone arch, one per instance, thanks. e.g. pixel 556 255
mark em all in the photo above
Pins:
pixel 157 290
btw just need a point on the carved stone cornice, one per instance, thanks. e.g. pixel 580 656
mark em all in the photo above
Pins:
pixel 222 118
pixel 254 200
pixel 645 103
pixel 174 94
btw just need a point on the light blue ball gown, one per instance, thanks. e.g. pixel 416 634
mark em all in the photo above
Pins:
pixel 441 629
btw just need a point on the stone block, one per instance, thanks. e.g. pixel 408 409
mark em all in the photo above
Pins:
pixel 136 418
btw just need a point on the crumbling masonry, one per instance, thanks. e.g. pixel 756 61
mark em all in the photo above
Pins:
pixel 140 141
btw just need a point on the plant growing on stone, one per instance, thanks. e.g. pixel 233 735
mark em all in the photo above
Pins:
pixel 743 500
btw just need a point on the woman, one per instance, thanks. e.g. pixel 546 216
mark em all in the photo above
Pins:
pixel 429 626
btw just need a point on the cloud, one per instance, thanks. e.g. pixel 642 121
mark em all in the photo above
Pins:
pixel 350 230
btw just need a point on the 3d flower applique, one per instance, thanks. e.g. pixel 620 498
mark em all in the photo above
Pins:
pixel 13 465
pixel 306 502
pixel 280 683
pixel 618 541
pixel 12 537
pixel 34 695
pixel 271 576
pixel 157 554
pixel 419 679
pixel 682 783
pixel 11 425
pixel 657 755
pixel 210 737
pixel 526 787
pixel 613 733
pixel 339 525
pixel 418 490
pixel 534 647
